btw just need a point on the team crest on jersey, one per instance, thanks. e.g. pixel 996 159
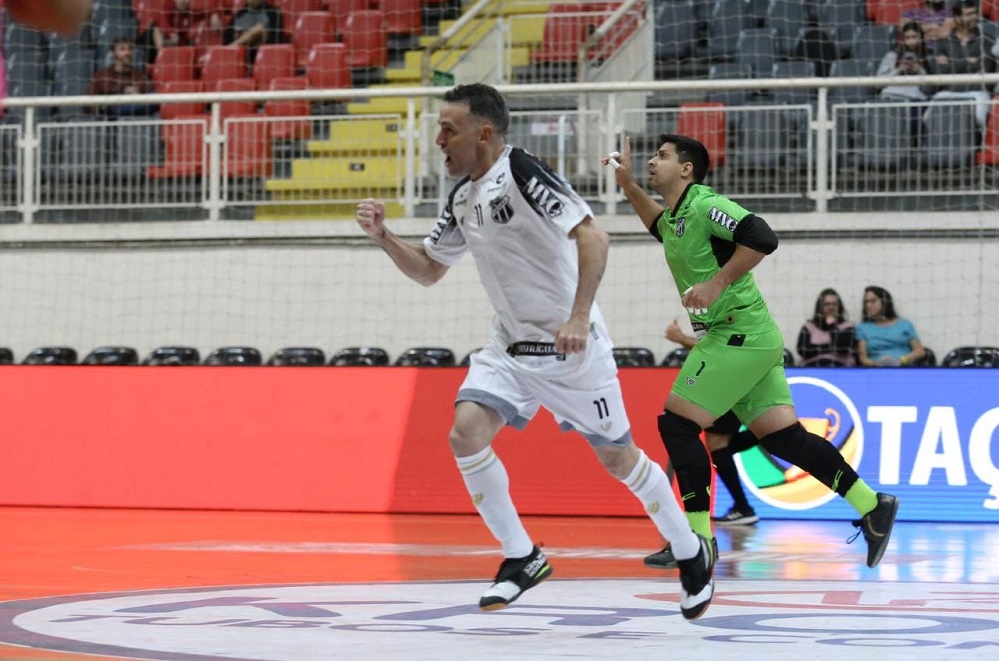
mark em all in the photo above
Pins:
pixel 501 209
pixel 681 226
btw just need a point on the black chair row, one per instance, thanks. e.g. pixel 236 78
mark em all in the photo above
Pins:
pixel 642 357
pixel 971 356
pixel 235 355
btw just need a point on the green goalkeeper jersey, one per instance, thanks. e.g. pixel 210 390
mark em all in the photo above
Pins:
pixel 698 239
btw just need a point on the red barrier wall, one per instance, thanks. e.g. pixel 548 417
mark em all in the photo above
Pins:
pixel 312 439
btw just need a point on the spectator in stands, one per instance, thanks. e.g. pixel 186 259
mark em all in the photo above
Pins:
pixel 256 24
pixel 884 338
pixel 176 26
pixel 908 59
pixel 122 77
pixel 826 340
pixel 933 17
pixel 966 50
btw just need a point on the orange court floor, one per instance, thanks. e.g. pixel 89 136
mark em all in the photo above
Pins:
pixel 199 585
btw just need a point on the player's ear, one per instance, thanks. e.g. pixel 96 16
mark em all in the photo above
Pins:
pixel 486 132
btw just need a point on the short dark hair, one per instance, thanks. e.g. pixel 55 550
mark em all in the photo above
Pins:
pixel 484 102
pixel 690 151
pixel 961 5
pixel 122 40
pixel 887 305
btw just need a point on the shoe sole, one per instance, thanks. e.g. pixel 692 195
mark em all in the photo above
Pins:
pixel 887 536
pixel 745 521
pixel 498 606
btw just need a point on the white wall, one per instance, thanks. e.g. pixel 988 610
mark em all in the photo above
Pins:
pixel 276 284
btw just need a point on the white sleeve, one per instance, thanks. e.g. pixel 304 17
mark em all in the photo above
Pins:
pixel 446 244
pixel 549 194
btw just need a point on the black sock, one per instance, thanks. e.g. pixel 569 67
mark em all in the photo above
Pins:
pixel 724 461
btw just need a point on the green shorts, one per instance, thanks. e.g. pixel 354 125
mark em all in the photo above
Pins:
pixel 744 373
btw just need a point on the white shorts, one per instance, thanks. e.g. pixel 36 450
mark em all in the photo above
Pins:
pixel 588 401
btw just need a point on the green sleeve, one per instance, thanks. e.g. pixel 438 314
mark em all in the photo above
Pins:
pixel 721 214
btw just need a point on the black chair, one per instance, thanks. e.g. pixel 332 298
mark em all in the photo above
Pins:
pixel 972 357
pixel 467 360
pixel 426 357
pixel 230 356
pixel 675 357
pixel 788 358
pixel 929 360
pixel 360 357
pixel 112 356
pixel 298 357
pixel 173 356
pixel 51 356
pixel 6 356
pixel 634 357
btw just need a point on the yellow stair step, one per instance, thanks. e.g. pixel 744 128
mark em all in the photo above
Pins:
pixel 367 135
pixel 382 106
pixel 322 211
pixel 341 173
pixel 508 8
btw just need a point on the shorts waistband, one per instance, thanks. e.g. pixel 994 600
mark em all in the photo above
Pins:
pixel 534 349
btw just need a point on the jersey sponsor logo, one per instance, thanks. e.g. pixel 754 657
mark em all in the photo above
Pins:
pixel 681 226
pixel 446 218
pixel 722 218
pixel 546 199
pixel 501 209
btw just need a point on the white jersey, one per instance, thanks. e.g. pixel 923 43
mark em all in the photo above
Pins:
pixel 516 219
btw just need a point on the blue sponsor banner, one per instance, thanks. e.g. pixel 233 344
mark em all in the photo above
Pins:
pixel 928 435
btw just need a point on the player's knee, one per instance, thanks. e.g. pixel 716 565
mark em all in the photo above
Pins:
pixel 618 460
pixel 681 437
pixel 463 443
pixel 794 444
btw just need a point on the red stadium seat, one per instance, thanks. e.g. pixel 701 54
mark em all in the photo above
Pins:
pixel 230 108
pixel 273 61
pixel 889 12
pixel 185 149
pixel 204 36
pixel 566 27
pixel 290 9
pixel 294 129
pixel 706 126
pixel 247 153
pixel 990 9
pixel 147 11
pixel 404 17
pixel 327 67
pixel 311 28
pixel 222 63
pixel 366 37
pixel 175 63
pixel 989 155
pixel 175 110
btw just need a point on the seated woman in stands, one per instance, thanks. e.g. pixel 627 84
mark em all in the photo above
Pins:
pixel 826 340
pixel 884 338
pixel 908 59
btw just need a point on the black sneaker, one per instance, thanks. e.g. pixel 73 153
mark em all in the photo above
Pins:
pixel 515 575
pixel 736 517
pixel 876 526
pixel 697 584
pixel 665 559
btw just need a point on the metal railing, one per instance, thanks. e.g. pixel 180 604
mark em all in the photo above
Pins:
pixel 814 152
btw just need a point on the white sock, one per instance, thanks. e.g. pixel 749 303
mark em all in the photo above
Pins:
pixel 650 485
pixel 489 486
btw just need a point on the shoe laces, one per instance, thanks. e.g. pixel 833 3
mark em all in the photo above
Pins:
pixel 859 523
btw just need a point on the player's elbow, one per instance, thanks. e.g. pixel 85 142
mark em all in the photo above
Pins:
pixel 590 234
pixel 754 232
pixel 432 274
